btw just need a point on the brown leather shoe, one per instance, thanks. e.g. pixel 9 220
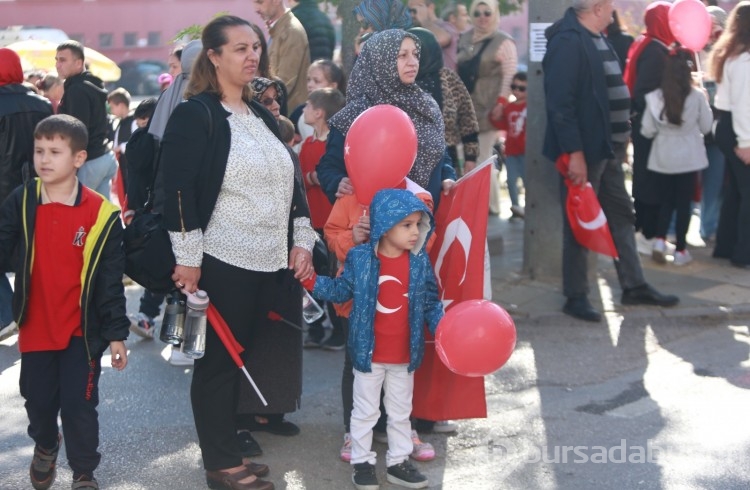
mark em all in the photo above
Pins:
pixel 219 479
pixel 257 469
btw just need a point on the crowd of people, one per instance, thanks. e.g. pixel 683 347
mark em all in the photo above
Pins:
pixel 243 156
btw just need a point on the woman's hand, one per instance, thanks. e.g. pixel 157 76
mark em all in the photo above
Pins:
pixel 448 184
pixel 186 278
pixel 300 260
pixel 361 231
pixel 743 154
pixel 345 187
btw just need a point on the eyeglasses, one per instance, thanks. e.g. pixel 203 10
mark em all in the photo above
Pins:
pixel 479 13
pixel 364 25
pixel 520 88
pixel 268 101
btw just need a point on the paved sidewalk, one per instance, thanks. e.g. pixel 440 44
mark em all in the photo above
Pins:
pixel 707 287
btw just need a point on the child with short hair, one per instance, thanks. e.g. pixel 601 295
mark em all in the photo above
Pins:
pixel 513 123
pixel 320 106
pixel 321 74
pixel 394 292
pixel 119 107
pixel 69 300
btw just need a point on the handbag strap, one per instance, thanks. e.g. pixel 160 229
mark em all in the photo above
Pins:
pixel 150 194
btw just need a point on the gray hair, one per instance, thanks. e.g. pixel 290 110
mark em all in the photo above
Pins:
pixel 584 5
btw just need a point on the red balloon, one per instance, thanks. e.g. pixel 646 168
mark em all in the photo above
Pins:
pixel 379 150
pixel 475 338
pixel 690 23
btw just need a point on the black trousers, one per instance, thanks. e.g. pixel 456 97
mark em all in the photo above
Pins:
pixel 64 382
pixel 237 295
pixel 151 303
pixel 677 196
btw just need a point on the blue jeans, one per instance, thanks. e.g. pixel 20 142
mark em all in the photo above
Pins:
pixel 97 173
pixel 6 301
pixel 515 167
pixel 713 182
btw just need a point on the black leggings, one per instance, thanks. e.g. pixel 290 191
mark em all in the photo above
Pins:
pixel 677 194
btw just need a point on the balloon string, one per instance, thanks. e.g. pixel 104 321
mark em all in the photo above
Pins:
pixel 700 71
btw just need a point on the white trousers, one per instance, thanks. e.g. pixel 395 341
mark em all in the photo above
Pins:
pixel 399 387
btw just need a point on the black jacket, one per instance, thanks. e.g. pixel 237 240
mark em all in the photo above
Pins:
pixel 193 160
pixel 86 100
pixel 320 35
pixel 576 95
pixel 20 111
pixel 102 299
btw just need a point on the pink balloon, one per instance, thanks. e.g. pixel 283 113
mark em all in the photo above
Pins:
pixel 475 338
pixel 690 23
pixel 379 150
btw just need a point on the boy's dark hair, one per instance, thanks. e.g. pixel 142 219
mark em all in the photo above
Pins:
pixel 520 76
pixel 66 127
pixel 145 109
pixel 75 47
pixel 330 100
pixel 286 129
pixel 119 96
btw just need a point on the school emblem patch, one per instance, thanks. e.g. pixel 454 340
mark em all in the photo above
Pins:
pixel 78 238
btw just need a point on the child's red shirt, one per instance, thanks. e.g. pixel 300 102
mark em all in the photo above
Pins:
pixel 392 311
pixel 514 123
pixel 310 153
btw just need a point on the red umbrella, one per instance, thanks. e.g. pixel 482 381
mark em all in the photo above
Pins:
pixel 585 214
pixel 233 347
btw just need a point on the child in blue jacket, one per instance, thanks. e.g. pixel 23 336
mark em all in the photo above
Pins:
pixel 393 286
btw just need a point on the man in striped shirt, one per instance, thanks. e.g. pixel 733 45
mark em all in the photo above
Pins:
pixel 588 107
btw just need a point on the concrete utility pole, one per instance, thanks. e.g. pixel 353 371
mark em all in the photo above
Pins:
pixel 542 252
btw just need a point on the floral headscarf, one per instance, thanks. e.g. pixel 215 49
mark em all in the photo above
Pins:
pixel 375 81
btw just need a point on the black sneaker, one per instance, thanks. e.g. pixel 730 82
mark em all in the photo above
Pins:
pixel 364 477
pixel 334 342
pixel 43 467
pixel 249 447
pixel 84 481
pixel 406 475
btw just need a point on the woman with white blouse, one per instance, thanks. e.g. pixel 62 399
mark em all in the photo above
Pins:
pixel 730 66
pixel 240 230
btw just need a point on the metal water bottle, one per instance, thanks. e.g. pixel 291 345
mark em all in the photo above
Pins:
pixel 194 337
pixel 174 319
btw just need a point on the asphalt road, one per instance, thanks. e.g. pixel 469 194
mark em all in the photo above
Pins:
pixel 633 404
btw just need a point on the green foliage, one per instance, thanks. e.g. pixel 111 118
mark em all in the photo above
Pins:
pixel 192 32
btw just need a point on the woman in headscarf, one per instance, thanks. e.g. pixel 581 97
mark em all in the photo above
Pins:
pixel 265 70
pixel 375 80
pixel 498 59
pixel 643 74
pixel 450 93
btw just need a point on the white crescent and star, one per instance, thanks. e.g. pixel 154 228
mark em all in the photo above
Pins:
pixel 381 308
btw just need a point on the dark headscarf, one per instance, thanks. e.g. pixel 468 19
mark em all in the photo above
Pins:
pixel 10 67
pixel 656 19
pixel 384 14
pixel 375 80
pixel 430 64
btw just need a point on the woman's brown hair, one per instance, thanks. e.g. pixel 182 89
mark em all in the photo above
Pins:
pixel 734 40
pixel 203 76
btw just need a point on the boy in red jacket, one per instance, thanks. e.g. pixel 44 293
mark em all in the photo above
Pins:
pixel 513 123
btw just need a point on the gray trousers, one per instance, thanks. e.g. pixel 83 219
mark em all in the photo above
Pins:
pixel 608 181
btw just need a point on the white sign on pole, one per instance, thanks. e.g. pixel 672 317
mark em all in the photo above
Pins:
pixel 537 41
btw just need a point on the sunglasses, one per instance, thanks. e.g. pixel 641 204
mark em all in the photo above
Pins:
pixel 268 101
pixel 520 88
pixel 479 13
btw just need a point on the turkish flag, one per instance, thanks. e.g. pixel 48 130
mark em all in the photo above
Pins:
pixel 585 214
pixel 458 258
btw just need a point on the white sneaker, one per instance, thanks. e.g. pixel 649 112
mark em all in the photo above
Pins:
pixel 518 211
pixel 445 426
pixel 8 331
pixel 177 358
pixel 659 251
pixel 682 258
pixel 643 244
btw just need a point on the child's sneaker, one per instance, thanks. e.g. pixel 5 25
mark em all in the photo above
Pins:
pixel 682 257
pixel 659 251
pixel 406 475
pixel 177 358
pixel 423 451
pixel 346 449
pixel 364 477
pixel 142 325
pixel 44 466
pixel 84 481
pixel 517 212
